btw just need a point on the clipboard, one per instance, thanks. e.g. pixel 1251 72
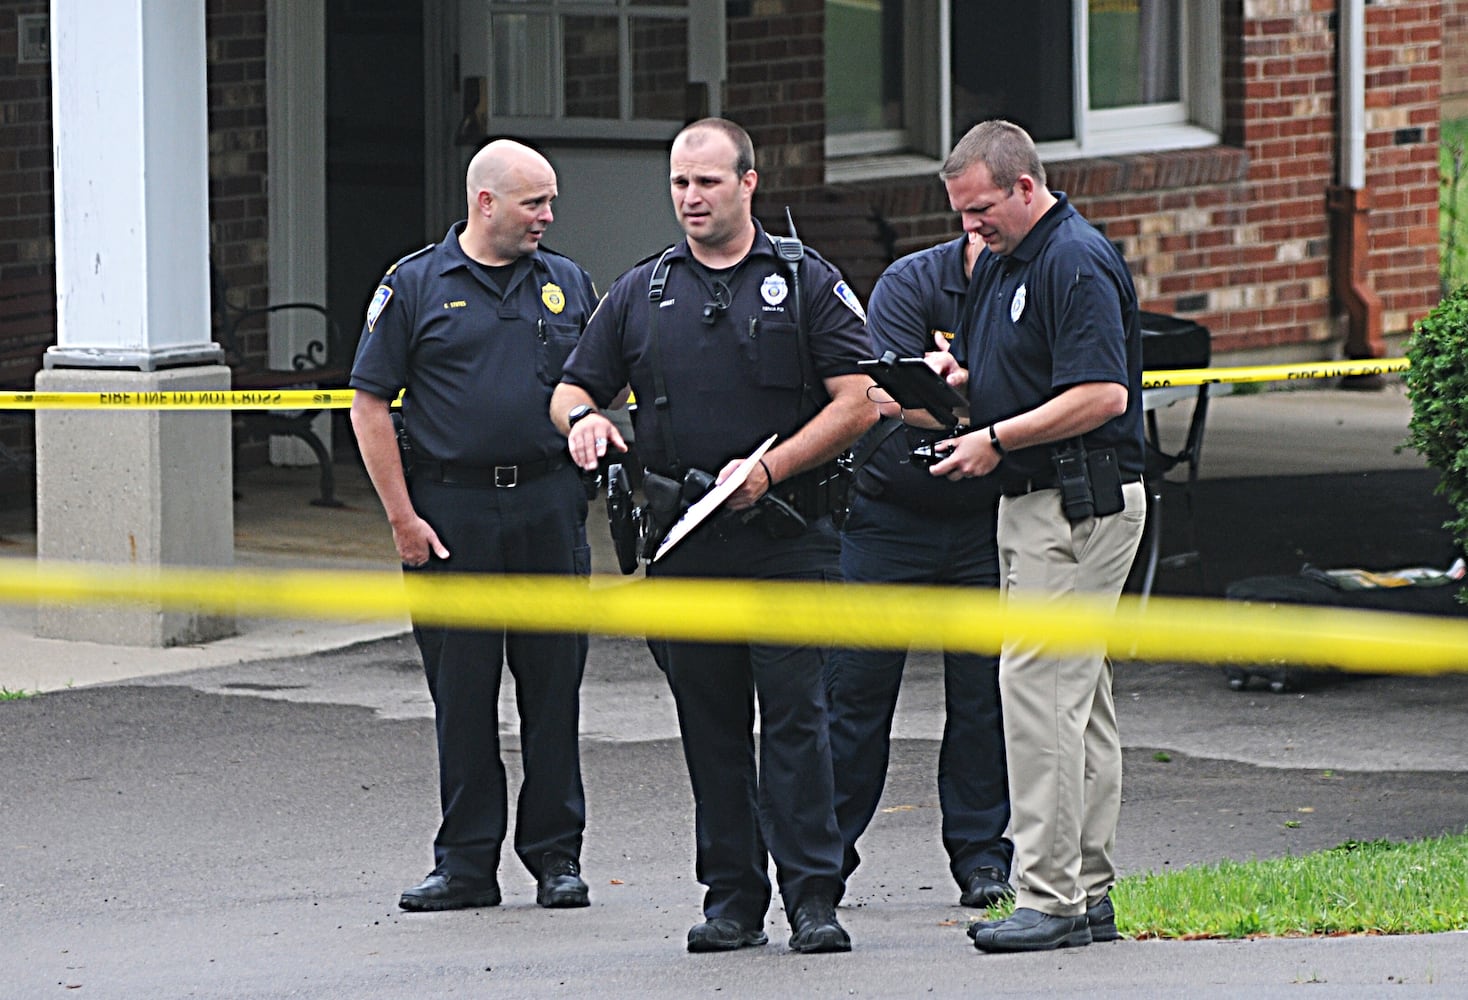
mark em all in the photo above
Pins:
pixel 712 500
pixel 916 386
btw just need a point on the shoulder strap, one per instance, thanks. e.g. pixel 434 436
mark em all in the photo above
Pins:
pixel 655 285
pixel 876 437
pixel 791 252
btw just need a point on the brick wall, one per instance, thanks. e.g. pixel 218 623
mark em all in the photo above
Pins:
pixel 27 208
pixel 238 205
pixel 1404 76
pixel 775 88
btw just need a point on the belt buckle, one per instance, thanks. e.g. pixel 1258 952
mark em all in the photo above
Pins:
pixel 506 477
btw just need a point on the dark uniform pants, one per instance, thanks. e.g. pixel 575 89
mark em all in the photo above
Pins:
pixel 536 527
pixel 886 543
pixel 784 804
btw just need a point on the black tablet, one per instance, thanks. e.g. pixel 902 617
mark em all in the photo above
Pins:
pixel 916 386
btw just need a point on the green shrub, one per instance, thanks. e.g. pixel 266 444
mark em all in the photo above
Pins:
pixel 1437 385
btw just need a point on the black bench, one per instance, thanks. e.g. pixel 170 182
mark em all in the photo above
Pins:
pixel 1170 343
pixel 310 369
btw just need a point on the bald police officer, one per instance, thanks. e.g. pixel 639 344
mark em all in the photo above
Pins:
pixel 726 342
pixel 476 328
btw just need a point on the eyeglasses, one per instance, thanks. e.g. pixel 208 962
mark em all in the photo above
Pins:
pixel 718 304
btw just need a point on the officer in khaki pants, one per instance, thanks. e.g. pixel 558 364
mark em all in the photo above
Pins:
pixel 1053 345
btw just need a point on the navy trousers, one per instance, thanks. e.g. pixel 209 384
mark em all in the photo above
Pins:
pixel 884 542
pixel 536 527
pixel 780 808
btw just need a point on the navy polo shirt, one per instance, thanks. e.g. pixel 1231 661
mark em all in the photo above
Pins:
pixel 479 363
pixel 731 382
pixel 916 297
pixel 1058 311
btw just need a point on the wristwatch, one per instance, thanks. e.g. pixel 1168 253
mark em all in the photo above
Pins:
pixel 579 412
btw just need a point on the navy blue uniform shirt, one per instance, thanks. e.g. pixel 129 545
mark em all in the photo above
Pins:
pixel 731 382
pixel 479 364
pixel 916 297
pixel 1058 311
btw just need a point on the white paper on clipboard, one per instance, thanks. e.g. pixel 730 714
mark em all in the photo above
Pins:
pixel 712 500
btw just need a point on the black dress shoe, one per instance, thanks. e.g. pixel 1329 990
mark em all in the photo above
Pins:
pixel 1101 918
pixel 560 886
pixel 723 934
pixel 815 929
pixel 445 892
pixel 985 886
pixel 1031 930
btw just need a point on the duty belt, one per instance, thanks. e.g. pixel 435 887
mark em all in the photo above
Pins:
pixel 501 477
pixel 1018 487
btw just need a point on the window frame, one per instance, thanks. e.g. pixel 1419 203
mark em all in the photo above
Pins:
pixel 1192 122
pixel 558 125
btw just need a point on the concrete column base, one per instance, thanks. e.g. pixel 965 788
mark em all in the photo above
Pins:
pixel 137 488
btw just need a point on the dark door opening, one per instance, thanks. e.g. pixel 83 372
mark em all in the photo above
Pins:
pixel 375 171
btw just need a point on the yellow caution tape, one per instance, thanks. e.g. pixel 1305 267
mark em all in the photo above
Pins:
pixel 341 399
pixel 260 399
pixel 1166 629
pixel 1273 373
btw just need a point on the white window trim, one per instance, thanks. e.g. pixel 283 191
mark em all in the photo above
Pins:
pixel 557 125
pixel 1191 123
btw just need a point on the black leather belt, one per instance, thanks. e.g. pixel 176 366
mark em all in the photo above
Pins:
pixel 1021 487
pixel 503 477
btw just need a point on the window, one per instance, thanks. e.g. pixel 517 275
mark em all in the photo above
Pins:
pixel 588 66
pixel 1084 77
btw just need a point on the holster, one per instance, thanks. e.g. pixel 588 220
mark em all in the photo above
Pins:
pixel 624 518
pixel 664 506
pixel 405 443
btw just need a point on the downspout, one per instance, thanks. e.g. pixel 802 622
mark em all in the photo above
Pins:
pixel 1349 201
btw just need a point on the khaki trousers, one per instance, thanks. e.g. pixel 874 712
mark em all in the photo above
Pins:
pixel 1064 752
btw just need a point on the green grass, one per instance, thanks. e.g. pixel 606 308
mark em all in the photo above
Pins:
pixel 1453 209
pixel 1377 887
pixel 8 695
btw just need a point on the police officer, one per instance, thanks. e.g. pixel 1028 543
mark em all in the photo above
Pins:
pixel 1053 346
pixel 905 526
pixel 477 328
pixel 725 344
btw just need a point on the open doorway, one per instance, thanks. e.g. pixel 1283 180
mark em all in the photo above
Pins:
pixel 375 170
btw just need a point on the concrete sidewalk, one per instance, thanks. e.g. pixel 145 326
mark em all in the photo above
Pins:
pixel 1291 433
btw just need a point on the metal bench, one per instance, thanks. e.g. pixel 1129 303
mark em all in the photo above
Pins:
pixel 310 369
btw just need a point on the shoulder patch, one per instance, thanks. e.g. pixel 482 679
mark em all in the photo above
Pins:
pixel 407 257
pixel 848 298
pixel 378 303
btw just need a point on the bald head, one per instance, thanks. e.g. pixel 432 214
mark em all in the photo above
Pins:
pixel 510 188
pixel 503 164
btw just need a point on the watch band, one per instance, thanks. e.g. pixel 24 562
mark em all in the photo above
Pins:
pixel 994 442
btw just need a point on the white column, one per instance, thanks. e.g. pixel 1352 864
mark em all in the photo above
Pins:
pixel 132 186
pixel 136 487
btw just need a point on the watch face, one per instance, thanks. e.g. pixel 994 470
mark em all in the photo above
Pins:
pixel 577 412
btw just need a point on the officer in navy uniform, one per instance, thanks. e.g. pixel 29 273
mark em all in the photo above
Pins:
pixel 1054 378
pixel 476 328
pixel 905 526
pixel 717 366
